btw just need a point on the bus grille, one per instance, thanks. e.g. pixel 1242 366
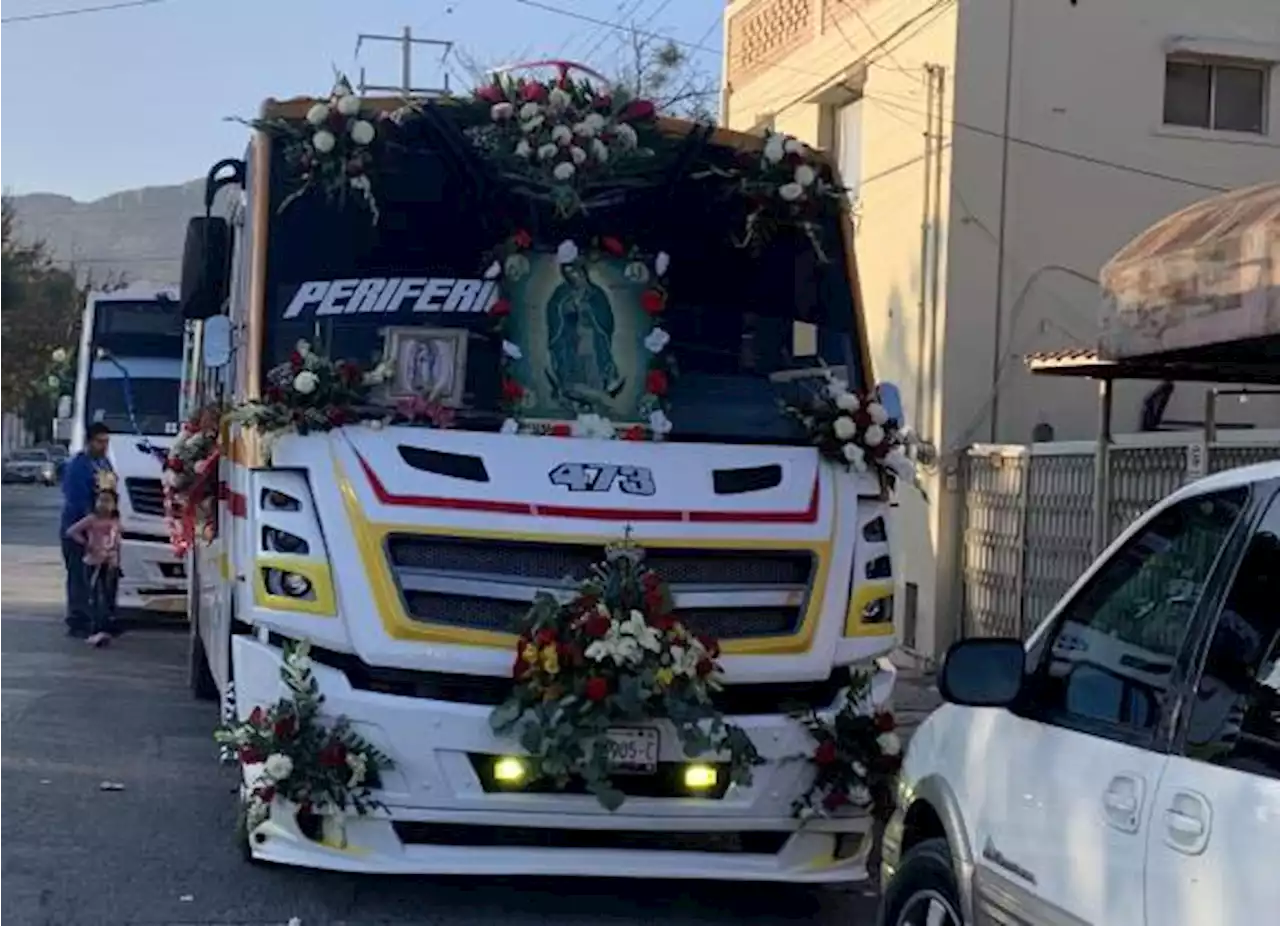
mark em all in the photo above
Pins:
pixel 146 496
pixel 489 585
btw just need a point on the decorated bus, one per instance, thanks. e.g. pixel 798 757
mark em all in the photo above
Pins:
pixel 128 378
pixel 542 498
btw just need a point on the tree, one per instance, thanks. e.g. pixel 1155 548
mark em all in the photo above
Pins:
pixel 660 70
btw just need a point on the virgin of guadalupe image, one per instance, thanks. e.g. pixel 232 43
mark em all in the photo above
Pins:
pixel 582 371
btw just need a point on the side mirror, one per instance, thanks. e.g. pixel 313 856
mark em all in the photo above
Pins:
pixel 216 340
pixel 983 672
pixel 891 399
pixel 64 407
pixel 206 265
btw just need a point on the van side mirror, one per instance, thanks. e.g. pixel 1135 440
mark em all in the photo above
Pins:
pixel 206 267
pixel 216 341
pixel 984 672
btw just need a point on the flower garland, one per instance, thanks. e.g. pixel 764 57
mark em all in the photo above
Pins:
pixel 614 655
pixel 786 185
pixel 856 758
pixel 559 135
pixel 512 264
pixel 190 468
pixel 309 392
pixel 335 148
pixel 854 430
pixel 289 754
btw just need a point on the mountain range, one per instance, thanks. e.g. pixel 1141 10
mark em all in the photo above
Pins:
pixel 134 235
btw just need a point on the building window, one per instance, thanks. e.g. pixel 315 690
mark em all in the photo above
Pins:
pixel 1228 97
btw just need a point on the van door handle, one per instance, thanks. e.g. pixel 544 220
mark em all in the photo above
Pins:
pixel 1187 822
pixel 1122 802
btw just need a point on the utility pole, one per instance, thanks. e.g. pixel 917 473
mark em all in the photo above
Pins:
pixel 406 42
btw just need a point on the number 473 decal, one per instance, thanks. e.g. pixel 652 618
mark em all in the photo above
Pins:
pixel 603 477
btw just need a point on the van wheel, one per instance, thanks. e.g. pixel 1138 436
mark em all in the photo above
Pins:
pixel 923 891
pixel 199 677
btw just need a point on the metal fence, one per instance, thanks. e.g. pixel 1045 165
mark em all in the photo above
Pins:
pixel 1027 517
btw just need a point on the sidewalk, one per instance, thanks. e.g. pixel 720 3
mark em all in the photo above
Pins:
pixel 915 696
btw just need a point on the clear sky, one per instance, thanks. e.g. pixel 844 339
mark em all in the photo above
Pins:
pixel 134 97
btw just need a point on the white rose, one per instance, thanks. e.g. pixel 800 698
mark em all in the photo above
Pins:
pixel 656 341
pixel 529 110
pixel 844 428
pixel 582 130
pixel 278 766
pixel 493 271
pixel 877 412
pixel 532 125
pixel 855 456
pixel 501 112
pixel 523 148
pixel 874 435
pixel 361 130
pixel 889 744
pixel 512 350
pixel 510 426
pixel 578 155
pixel 791 191
pixel 562 135
pixel 774 149
pixel 564 171
pixel 594 121
pixel 349 104
pixel 547 151
pixel 567 252
pixel 599 150
pixel 805 175
pixel 661 263
pixel 558 99
pixel 847 402
pixel 792 146
pixel 318 114
pixel 659 423
pixel 59 355
pixel 305 383
pixel 626 134
pixel 323 141
pixel 302 346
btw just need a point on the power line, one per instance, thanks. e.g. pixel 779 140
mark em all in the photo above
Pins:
pixel 80 11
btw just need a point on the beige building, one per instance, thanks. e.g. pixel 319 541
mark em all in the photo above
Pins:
pixel 999 152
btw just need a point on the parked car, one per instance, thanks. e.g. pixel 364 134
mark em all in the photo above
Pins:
pixel 1122 766
pixel 59 455
pixel 30 466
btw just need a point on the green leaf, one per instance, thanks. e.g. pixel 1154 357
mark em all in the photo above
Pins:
pixel 506 714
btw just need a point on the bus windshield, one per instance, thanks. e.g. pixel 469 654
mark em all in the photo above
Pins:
pixel 748 327
pixel 155 404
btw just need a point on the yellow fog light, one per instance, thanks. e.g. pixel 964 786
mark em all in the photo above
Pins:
pixel 700 777
pixel 509 770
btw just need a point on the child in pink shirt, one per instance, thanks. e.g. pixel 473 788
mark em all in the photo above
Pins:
pixel 99 532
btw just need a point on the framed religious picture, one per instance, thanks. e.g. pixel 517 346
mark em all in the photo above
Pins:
pixel 427 362
pixel 580 328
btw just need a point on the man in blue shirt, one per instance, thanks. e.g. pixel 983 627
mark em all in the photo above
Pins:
pixel 79 488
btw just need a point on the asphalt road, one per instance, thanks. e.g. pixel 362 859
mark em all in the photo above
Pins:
pixel 161 851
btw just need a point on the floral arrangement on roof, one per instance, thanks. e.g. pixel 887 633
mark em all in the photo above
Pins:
pixel 293 760
pixel 610 656
pixel 557 137
pixel 511 264
pixel 854 429
pixel 335 148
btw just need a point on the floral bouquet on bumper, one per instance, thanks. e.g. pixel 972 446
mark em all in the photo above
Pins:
pixel 288 754
pixel 610 658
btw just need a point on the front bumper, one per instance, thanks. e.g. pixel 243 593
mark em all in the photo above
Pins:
pixel 153 577
pixel 440 820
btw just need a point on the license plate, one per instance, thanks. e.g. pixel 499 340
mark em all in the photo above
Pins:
pixel 632 750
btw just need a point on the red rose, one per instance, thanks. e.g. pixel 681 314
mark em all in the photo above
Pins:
pixel 266 794
pixel 885 722
pixel 522 239
pixel 274 394
pixel 501 308
pixel 512 391
pixel 635 432
pixel 355 167
pixel 560 429
pixel 175 464
pixel 705 667
pixel 533 92
pixel 825 754
pixel 545 636
pixel 652 301
pixel 295 360
pixel 597 625
pixel 656 382
pixel 284 728
pixel 333 755
pixel 862 419
pixel 490 93
pixel 666 623
pixel 251 756
pixel 257 717
pixel 612 245
pixel 650 580
pixel 597 689
pixel 653 599
pixel 603 101
pixel 638 109
pixel 710 644
pixel 835 800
